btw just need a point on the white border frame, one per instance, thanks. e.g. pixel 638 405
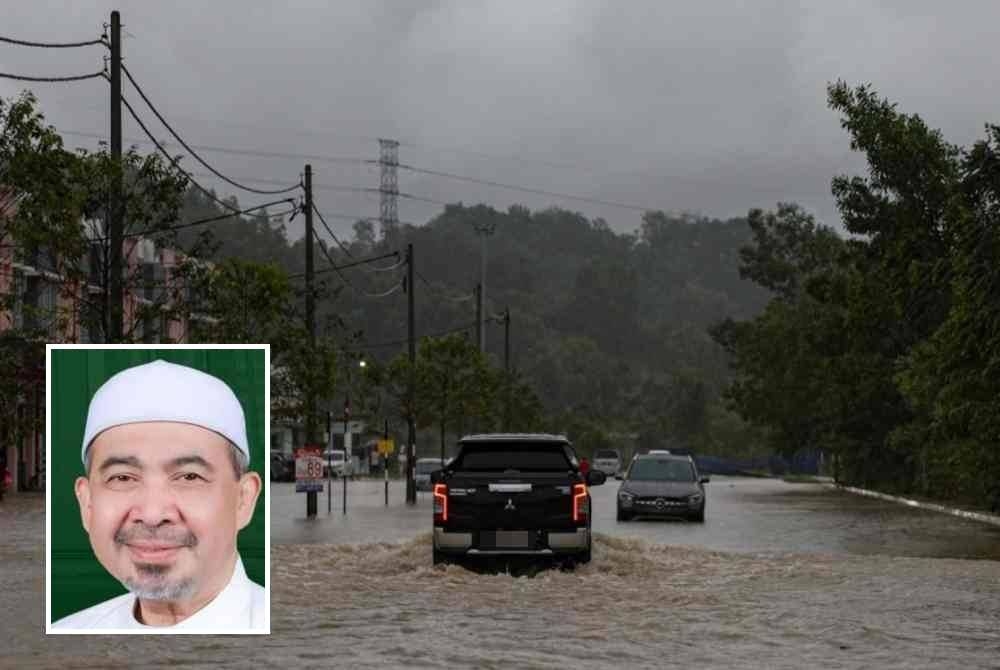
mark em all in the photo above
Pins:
pixel 266 487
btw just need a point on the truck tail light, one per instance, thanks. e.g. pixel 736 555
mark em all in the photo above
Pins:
pixel 581 506
pixel 440 503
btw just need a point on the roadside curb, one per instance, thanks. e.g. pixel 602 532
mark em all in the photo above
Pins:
pixel 965 514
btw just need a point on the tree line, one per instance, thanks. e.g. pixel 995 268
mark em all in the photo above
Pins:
pixel 883 347
pixel 770 333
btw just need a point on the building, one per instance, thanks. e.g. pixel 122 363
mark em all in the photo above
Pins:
pixel 39 303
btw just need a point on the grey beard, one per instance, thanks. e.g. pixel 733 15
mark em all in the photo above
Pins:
pixel 158 588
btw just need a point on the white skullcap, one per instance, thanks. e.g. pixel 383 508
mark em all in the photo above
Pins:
pixel 161 391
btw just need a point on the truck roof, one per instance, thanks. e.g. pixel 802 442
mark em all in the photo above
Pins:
pixel 514 437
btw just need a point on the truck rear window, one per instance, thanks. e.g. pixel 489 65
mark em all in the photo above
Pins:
pixel 524 457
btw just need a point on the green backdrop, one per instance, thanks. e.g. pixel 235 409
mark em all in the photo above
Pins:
pixel 78 580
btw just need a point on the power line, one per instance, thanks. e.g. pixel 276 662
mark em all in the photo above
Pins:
pixel 173 161
pixel 80 77
pixel 52 45
pixel 350 217
pixel 210 219
pixel 237 152
pixel 394 254
pixel 442 333
pixel 525 189
pixel 441 292
pixel 348 251
pixel 333 265
pixel 195 154
pixel 330 230
pixel 366 294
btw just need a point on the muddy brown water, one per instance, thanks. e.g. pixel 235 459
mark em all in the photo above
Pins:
pixel 654 596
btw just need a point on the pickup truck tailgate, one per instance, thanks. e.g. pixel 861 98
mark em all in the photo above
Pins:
pixel 510 504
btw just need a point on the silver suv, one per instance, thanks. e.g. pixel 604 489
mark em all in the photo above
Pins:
pixel 608 461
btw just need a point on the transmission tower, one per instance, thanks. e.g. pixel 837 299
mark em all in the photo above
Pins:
pixel 388 160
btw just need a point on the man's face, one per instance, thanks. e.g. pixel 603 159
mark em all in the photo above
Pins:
pixel 162 507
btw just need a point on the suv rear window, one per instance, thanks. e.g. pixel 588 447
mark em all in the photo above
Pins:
pixel 521 456
pixel 606 453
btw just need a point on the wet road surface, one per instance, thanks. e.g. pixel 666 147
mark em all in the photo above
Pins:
pixel 779 576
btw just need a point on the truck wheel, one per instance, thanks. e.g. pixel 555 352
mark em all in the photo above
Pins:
pixel 440 558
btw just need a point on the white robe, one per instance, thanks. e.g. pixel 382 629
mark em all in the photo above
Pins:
pixel 239 608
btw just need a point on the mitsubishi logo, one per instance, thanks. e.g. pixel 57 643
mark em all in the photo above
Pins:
pixel 510 505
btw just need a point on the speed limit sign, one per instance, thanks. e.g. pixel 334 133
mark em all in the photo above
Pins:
pixel 309 469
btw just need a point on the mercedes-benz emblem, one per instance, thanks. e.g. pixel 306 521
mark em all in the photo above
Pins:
pixel 510 505
pixel 661 503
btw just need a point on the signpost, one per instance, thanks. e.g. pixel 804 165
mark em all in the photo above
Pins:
pixel 385 448
pixel 309 469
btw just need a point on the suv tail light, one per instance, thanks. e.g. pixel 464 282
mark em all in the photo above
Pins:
pixel 440 503
pixel 581 504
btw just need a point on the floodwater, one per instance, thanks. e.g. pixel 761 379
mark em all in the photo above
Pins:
pixel 779 576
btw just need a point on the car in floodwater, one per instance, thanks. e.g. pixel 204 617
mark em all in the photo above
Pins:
pixel 513 495
pixel 422 469
pixel 336 464
pixel 661 485
pixel 608 461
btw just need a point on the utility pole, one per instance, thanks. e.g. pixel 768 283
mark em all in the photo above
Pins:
pixel 329 463
pixel 114 295
pixel 311 328
pixel 506 368
pixel 479 318
pixel 411 489
pixel 348 457
pixel 385 463
pixel 483 229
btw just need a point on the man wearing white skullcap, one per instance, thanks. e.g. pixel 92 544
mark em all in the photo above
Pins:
pixel 166 491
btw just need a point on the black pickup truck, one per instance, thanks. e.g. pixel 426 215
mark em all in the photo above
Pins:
pixel 513 495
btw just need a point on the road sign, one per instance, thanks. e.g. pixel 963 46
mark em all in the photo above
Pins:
pixel 386 447
pixel 308 469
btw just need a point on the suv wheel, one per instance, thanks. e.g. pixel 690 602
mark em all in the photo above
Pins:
pixel 624 516
pixel 440 558
pixel 699 516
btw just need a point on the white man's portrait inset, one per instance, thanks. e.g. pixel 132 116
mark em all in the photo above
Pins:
pixel 165 489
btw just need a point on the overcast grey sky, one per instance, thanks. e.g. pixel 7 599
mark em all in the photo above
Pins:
pixel 712 107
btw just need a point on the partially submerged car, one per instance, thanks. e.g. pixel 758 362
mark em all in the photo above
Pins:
pixel 662 485
pixel 608 461
pixel 422 469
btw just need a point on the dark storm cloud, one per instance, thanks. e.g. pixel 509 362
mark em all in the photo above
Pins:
pixel 711 107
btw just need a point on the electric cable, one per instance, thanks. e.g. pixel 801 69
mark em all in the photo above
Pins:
pixel 194 153
pixel 52 45
pixel 175 163
pixel 79 77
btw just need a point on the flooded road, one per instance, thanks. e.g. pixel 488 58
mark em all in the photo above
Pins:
pixel 743 514
pixel 779 576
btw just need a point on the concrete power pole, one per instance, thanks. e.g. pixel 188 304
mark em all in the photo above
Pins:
pixel 484 229
pixel 479 317
pixel 115 305
pixel 411 488
pixel 311 328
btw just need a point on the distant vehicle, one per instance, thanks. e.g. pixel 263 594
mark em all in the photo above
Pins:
pixel 608 461
pixel 282 467
pixel 662 485
pixel 337 461
pixel 422 470
pixel 512 494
